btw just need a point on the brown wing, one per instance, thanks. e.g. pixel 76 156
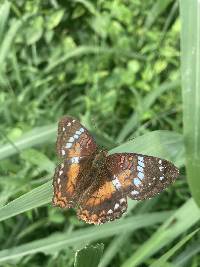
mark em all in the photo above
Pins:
pixel 73 139
pixel 139 176
pixel 105 204
pixel 67 180
pixel 77 148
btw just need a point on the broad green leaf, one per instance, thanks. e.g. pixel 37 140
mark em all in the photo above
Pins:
pixel 190 57
pixel 182 220
pixel 89 256
pixel 58 242
pixel 161 261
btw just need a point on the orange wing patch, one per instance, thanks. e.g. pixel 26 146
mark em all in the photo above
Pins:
pixel 72 174
pixel 123 178
pixel 65 180
pixel 105 204
pixel 75 151
pixel 102 194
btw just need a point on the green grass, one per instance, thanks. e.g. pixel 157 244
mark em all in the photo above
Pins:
pixel 114 65
pixel 191 91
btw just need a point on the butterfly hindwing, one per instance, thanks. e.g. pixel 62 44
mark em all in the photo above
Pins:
pixel 105 204
pixel 73 139
pixel 140 176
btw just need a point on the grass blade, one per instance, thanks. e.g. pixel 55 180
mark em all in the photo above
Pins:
pixel 89 256
pixel 147 102
pixel 35 198
pixel 170 253
pixel 190 55
pixel 187 254
pixel 61 241
pixel 35 137
pixel 8 40
pixel 184 218
pixel 4 13
pixel 157 9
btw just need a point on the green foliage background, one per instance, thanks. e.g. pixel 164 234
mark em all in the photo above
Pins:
pixel 115 65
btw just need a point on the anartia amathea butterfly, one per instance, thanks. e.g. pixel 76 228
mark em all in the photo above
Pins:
pixel 98 184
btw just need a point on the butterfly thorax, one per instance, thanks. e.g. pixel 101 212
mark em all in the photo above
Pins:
pixel 99 160
pixel 92 177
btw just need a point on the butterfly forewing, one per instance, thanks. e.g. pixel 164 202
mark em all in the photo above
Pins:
pixel 140 176
pixel 76 147
pixel 73 139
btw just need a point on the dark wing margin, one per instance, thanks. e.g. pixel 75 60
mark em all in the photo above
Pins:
pixel 140 176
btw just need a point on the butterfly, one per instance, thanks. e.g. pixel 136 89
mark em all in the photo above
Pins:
pixel 96 184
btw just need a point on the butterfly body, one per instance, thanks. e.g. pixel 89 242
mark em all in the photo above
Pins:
pixel 98 184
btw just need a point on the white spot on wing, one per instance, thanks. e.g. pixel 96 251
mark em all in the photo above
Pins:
pixel 141 175
pixel 141 163
pixel 140 158
pixel 116 182
pixel 76 136
pixel 60 173
pixel 139 168
pixel 110 212
pixel 122 200
pixel 160 161
pixel 58 180
pixel 68 145
pixel 64 129
pixel 137 181
pixel 63 152
pixel 161 178
pixel 134 192
pixel 75 160
pixel 78 132
pixel 71 139
pixel 116 206
pixel 69 124
pixel 81 130
pixel 161 168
